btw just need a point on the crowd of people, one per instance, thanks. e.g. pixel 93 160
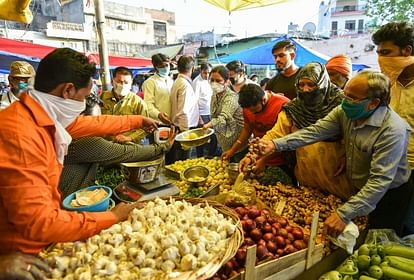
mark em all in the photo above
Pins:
pixel 329 128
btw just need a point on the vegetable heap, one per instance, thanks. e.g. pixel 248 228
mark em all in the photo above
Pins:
pixel 370 262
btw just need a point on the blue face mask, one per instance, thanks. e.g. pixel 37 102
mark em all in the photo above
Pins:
pixel 356 111
pixel 22 86
pixel 163 72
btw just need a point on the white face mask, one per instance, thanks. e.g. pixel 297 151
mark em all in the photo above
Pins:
pixel 65 110
pixel 122 89
pixel 217 88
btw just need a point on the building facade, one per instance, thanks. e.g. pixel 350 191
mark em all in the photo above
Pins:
pixel 129 29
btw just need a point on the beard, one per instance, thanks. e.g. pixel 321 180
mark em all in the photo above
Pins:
pixel 282 68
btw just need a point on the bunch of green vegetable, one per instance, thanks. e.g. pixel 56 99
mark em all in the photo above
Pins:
pixel 274 174
pixel 370 262
pixel 109 176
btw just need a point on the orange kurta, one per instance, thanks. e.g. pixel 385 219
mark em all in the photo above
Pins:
pixel 30 212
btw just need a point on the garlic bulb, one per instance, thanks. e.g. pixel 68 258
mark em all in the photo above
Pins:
pixel 188 262
pixel 162 238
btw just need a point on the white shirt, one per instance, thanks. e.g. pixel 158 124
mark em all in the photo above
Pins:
pixel 204 92
pixel 7 98
pixel 157 95
pixel 184 103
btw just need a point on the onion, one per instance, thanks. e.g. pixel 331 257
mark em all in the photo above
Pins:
pixel 256 234
pixel 276 225
pixel 297 233
pixel 274 231
pixel 271 220
pixel 271 247
pixel 261 242
pixel 241 211
pixel 260 221
pixel 282 221
pixel 280 252
pixel 253 213
pixel 280 242
pixel 267 228
pixel 241 255
pixel 288 228
pixel 261 251
pixel 282 232
pixel 248 241
pixel 290 249
pixel 290 237
pixel 266 213
pixel 299 244
pixel 228 267
pixel 249 225
pixel 268 237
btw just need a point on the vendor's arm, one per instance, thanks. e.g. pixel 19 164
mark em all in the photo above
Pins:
pixel 387 153
pixel 106 125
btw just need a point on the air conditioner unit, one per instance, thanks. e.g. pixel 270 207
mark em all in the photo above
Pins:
pixel 121 27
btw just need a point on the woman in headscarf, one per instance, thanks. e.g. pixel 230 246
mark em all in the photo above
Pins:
pixel 319 165
pixel 226 113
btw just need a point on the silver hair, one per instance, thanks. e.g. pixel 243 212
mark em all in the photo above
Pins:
pixel 378 85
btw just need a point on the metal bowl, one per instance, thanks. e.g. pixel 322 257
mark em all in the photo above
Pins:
pixel 143 171
pixel 233 171
pixel 196 175
pixel 194 137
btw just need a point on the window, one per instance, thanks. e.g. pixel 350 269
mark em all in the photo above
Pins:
pixel 360 26
pixel 334 28
pixel 350 25
pixel 160 33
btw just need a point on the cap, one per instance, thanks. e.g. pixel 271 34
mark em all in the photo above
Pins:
pixel 21 69
pixel 340 63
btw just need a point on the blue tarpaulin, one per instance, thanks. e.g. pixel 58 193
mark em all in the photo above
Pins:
pixel 262 55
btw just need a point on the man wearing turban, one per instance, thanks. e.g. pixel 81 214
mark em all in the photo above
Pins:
pixel 339 69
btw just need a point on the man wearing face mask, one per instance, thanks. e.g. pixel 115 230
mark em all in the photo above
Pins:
pixel 35 135
pixel 157 89
pixel 395 49
pixel 122 101
pixel 376 140
pixel 20 78
pixel 284 53
pixel 237 76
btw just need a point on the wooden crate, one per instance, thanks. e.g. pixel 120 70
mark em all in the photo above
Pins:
pixel 286 267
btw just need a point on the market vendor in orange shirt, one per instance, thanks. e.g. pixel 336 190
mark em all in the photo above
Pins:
pixel 260 111
pixel 34 137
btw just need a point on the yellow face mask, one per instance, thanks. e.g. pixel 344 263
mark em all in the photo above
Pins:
pixel 392 66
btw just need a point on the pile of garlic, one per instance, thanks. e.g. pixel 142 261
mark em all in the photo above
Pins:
pixel 156 242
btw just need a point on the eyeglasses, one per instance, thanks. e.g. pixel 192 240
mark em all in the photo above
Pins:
pixel 355 101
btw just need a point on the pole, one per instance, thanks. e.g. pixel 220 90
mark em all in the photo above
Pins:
pixel 103 47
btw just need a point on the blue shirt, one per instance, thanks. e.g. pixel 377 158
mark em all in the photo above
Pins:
pixel 376 154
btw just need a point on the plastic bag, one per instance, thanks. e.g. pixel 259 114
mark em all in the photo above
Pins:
pixel 240 195
pixel 16 10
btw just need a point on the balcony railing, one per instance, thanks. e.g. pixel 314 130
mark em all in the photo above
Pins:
pixel 348 9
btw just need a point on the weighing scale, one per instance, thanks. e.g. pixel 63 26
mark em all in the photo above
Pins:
pixel 160 187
